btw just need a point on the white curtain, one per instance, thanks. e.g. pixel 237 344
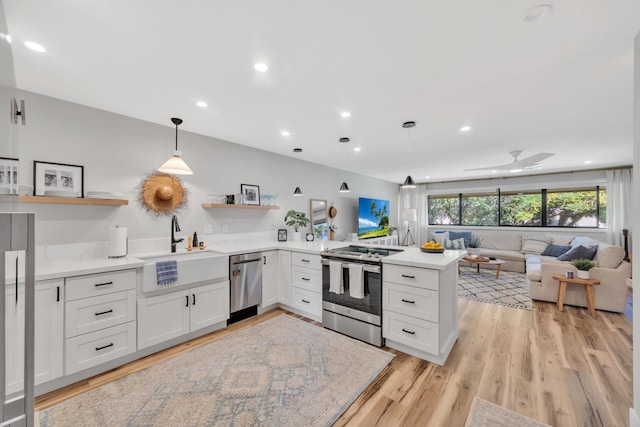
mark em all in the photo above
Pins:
pixel 414 198
pixel 619 192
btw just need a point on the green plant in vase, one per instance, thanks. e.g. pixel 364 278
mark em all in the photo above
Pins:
pixel 583 266
pixel 296 220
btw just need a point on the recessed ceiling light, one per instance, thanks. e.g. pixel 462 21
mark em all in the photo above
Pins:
pixel 261 67
pixel 35 46
pixel 285 133
pixel 515 170
pixel 6 37
pixel 356 149
pixel 465 128
pixel 494 171
pixel 345 114
pixel 588 162
pixel 427 177
pixel 202 104
pixel 537 12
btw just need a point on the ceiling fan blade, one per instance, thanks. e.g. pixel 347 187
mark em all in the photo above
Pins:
pixel 532 160
pixel 516 164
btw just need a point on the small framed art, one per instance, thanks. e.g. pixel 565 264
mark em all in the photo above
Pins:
pixel 251 194
pixel 58 179
pixel 8 175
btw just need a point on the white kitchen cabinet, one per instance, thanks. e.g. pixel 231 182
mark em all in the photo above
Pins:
pixel 168 316
pixel 419 310
pixel 100 318
pixel 306 283
pixel 269 278
pixel 284 277
pixel 48 336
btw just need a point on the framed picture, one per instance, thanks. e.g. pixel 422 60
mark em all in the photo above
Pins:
pixel 8 175
pixel 251 194
pixel 58 179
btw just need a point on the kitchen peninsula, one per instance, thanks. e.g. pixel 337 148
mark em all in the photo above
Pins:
pixel 419 302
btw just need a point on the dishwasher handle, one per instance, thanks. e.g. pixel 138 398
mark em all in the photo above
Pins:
pixel 245 261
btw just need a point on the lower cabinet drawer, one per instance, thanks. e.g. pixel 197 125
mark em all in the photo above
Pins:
pixel 419 334
pixel 88 350
pixel 417 302
pixel 95 313
pixel 306 300
pixel 307 278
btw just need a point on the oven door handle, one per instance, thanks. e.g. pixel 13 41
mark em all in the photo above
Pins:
pixel 365 267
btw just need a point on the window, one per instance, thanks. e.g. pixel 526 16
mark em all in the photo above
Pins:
pixel 585 207
pixel 575 208
pixel 521 209
pixel 480 209
pixel 444 209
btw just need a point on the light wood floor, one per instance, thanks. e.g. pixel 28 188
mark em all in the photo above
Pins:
pixel 564 369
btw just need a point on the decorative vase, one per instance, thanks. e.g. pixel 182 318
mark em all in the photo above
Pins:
pixel 473 251
pixel 583 274
pixel 331 234
pixel 297 236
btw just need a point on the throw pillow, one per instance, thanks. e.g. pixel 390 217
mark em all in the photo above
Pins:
pixel 555 250
pixel 453 244
pixel 580 252
pixel 560 239
pixel 466 235
pixel 439 236
pixel 583 241
pixel 534 245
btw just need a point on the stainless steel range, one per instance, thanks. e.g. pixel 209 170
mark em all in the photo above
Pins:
pixel 352 291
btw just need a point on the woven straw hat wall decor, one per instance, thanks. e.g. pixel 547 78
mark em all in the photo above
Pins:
pixel 162 194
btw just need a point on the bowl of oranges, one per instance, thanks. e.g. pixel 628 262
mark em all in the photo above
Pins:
pixel 432 247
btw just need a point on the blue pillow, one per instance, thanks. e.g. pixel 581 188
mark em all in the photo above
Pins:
pixel 453 244
pixel 466 235
pixel 579 252
pixel 555 250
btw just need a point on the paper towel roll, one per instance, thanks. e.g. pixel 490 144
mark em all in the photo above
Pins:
pixel 117 242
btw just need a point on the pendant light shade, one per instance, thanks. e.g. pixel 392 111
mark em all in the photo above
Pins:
pixel 344 188
pixel 297 192
pixel 175 165
pixel 409 182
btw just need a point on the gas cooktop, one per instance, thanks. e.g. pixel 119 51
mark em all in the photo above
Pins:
pixel 359 253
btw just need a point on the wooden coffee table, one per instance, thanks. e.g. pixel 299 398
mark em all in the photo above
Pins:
pixel 497 262
pixel 588 288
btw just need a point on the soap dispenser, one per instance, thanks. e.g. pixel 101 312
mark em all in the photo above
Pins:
pixel 195 239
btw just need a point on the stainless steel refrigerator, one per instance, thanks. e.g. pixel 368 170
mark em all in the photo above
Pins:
pixel 17 301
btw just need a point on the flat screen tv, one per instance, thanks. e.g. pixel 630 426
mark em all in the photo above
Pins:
pixel 373 218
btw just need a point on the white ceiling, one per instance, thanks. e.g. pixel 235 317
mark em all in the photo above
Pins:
pixel 562 84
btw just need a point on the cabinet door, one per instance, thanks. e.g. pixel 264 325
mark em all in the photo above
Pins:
pixel 49 329
pixel 209 305
pixel 284 277
pixel 163 317
pixel 269 278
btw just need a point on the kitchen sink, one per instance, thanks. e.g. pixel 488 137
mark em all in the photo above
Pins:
pixel 193 268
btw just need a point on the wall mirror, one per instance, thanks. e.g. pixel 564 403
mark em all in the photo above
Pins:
pixel 318 217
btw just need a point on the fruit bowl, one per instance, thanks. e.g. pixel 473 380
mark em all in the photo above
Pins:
pixel 432 251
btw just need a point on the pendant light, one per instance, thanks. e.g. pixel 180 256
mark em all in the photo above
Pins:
pixel 297 192
pixel 408 182
pixel 175 165
pixel 344 188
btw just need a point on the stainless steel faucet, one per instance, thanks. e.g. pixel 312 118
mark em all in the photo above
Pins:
pixel 174 227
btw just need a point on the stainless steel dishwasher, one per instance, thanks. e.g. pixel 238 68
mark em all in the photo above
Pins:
pixel 245 273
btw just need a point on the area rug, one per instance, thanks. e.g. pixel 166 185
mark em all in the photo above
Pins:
pixel 510 289
pixel 487 414
pixel 281 372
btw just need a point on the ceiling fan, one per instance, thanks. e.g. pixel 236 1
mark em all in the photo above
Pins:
pixel 530 162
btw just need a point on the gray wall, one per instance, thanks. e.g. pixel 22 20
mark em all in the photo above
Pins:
pixel 117 151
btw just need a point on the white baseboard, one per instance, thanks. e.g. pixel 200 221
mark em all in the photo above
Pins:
pixel 634 419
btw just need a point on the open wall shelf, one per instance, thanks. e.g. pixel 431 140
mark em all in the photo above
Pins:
pixel 64 200
pixel 224 206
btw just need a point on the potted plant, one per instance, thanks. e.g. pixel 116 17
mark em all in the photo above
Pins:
pixel 296 220
pixel 473 246
pixel 583 266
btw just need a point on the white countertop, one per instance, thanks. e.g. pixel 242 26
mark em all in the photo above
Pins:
pixel 414 257
pixel 410 256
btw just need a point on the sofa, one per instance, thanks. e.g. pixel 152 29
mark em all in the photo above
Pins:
pixel 535 255
pixel 611 270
